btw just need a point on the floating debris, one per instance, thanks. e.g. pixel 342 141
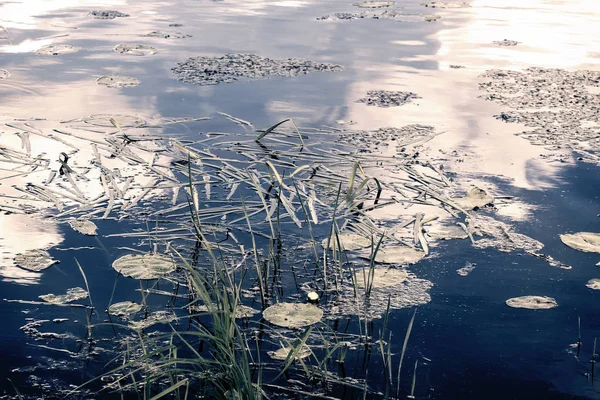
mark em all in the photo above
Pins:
pixel 375 4
pixel 500 235
pixel 117 81
pixel 31 329
pixel 293 315
pixel 446 4
pixel 124 308
pixel 165 35
pixel 370 141
pixel 57 49
pixel 158 317
pixel 379 277
pixel 384 98
pixel 348 241
pixel 283 353
pixel 387 14
pixel 231 67
pixel 506 42
pixel 476 198
pixel 456 66
pixel 4 74
pixel 582 241
pixel 135 49
pixel 35 260
pixel 73 294
pixel 108 14
pixel 532 302
pixel 558 107
pixel 84 226
pixel 144 266
pixel 466 270
pixel 399 255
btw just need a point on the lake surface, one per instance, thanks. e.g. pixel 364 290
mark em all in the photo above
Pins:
pixel 468 342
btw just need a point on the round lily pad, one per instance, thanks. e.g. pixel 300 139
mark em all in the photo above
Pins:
pixel 135 49
pixel 379 277
pixel 282 353
pixel 593 284
pixel 35 260
pixel 71 295
pixel 532 302
pixel 476 198
pixel 348 241
pixel 84 226
pixel 144 266
pixel 4 74
pixel 293 315
pixel 57 50
pixel 124 308
pixel 583 241
pixel 117 81
pixel 399 255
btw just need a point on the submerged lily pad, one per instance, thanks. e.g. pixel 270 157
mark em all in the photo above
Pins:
pixel 348 241
pixel 283 353
pixel 117 81
pixel 57 49
pixel 4 74
pixel 84 226
pixel 380 277
pixel 159 317
pixel 144 266
pixel 582 241
pixel 532 302
pixel 71 295
pixel 399 255
pixel 135 49
pixel 35 260
pixel 476 198
pixel 293 315
pixel 124 308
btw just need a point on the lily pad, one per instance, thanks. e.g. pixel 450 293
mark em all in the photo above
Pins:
pixel 241 311
pixel 117 81
pixel 380 277
pixel 84 226
pixel 593 284
pixel 165 35
pixel 124 308
pixel 71 295
pixel 532 302
pixel 582 241
pixel 293 315
pixel 144 266
pixel 399 255
pixel 57 50
pixel 159 317
pixel 35 260
pixel 476 198
pixel 4 74
pixel 348 241
pixel 135 49
pixel 282 353
pixel 447 232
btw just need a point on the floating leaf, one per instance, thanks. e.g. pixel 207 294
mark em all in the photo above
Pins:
pixel 532 302
pixel 84 226
pixel 348 241
pixel 117 81
pixel 57 49
pixel 4 74
pixel 35 260
pixel 476 198
pixel 399 255
pixel 282 354
pixel 380 277
pixel 71 295
pixel 293 315
pixel 593 284
pixel 124 308
pixel 144 266
pixel 135 49
pixel 583 241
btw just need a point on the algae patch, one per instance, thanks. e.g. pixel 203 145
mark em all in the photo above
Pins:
pixel 385 98
pixel 293 315
pixel 117 81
